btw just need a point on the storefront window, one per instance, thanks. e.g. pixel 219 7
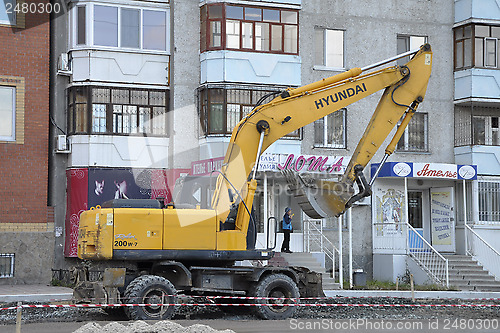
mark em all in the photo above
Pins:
pixel 489 201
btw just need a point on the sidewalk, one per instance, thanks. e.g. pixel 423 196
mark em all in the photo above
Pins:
pixel 34 293
pixel 418 294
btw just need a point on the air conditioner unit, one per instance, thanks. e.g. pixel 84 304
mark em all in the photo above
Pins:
pixel 63 64
pixel 62 144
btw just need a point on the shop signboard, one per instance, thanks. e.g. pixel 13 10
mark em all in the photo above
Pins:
pixel 206 167
pixel 304 163
pixel 426 170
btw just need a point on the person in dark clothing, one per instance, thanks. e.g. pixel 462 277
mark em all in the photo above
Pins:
pixel 287 230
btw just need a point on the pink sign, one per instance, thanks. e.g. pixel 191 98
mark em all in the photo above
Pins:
pixel 313 163
pixel 205 167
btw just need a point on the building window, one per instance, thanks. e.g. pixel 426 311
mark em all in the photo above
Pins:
pixel 485 130
pixel 415 136
pixel 254 29
pixel 6 265
pixel 105 26
pixel 477 46
pixel 8 113
pixel 221 108
pixel 81 25
pixel 123 27
pixel 489 202
pixel 103 110
pixel 329 48
pixel 408 43
pixel 476 125
pixel 330 131
pixel 130 27
pixel 7 12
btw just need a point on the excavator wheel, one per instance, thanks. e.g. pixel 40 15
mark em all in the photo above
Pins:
pixel 150 289
pixel 276 286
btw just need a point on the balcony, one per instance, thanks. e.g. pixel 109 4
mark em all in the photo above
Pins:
pixel 476 9
pixel 120 67
pixel 249 67
pixel 487 158
pixel 477 84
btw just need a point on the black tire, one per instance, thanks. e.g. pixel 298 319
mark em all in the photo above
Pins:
pixel 150 289
pixel 276 286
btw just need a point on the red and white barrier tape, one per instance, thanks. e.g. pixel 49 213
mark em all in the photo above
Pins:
pixel 332 297
pixel 264 304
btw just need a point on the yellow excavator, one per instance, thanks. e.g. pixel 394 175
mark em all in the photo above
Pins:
pixel 152 249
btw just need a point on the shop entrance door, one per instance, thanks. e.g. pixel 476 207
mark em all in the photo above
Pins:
pixel 443 219
pixel 415 217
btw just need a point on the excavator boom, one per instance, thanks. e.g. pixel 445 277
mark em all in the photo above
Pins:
pixel 405 88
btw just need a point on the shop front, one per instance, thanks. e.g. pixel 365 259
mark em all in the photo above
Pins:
pixel 273 195
pixel 417 205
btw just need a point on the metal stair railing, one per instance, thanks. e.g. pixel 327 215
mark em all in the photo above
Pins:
pixel 483 252
pixel 429 259
pixel 315 240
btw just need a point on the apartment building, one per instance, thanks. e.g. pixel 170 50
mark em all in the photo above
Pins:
pixel 476 64
pixel 145 92
pixel 26 221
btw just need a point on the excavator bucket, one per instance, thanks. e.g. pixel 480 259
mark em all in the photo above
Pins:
pixel 317 197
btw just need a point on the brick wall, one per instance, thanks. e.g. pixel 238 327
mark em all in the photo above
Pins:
pixel 24 164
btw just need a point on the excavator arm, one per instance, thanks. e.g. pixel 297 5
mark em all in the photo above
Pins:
pixel 405 88
pixel 222 233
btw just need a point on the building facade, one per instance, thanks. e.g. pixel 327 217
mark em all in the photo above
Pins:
pixel 26 221
pixel 146 92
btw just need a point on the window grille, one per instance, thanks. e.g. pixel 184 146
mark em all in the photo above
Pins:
pixel 6 265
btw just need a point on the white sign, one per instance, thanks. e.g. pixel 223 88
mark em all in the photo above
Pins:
pixel 442 219
pixel 435 170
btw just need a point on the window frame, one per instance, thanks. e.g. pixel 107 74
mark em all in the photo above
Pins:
pixel 205 98
pixel 88 102
pixel 19 107
pixel 475 40
pixel 14 20
pixel 12 137
pixel 324 47
pixel 409 38
pixel 90 27
pixel 488 200
pixel 405 138
pixel 10 265
pixel 325 143
pixel 205 31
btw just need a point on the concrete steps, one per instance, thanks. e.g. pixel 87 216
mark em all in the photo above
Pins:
pixel 466 274
pixel 307 260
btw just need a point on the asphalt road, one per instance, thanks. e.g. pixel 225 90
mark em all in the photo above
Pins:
pixel 291 325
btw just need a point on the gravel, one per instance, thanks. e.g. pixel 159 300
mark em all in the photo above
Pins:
pixel 164 326
pixel 120 324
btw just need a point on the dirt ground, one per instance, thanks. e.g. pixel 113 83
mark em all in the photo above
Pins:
pixel 471 316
